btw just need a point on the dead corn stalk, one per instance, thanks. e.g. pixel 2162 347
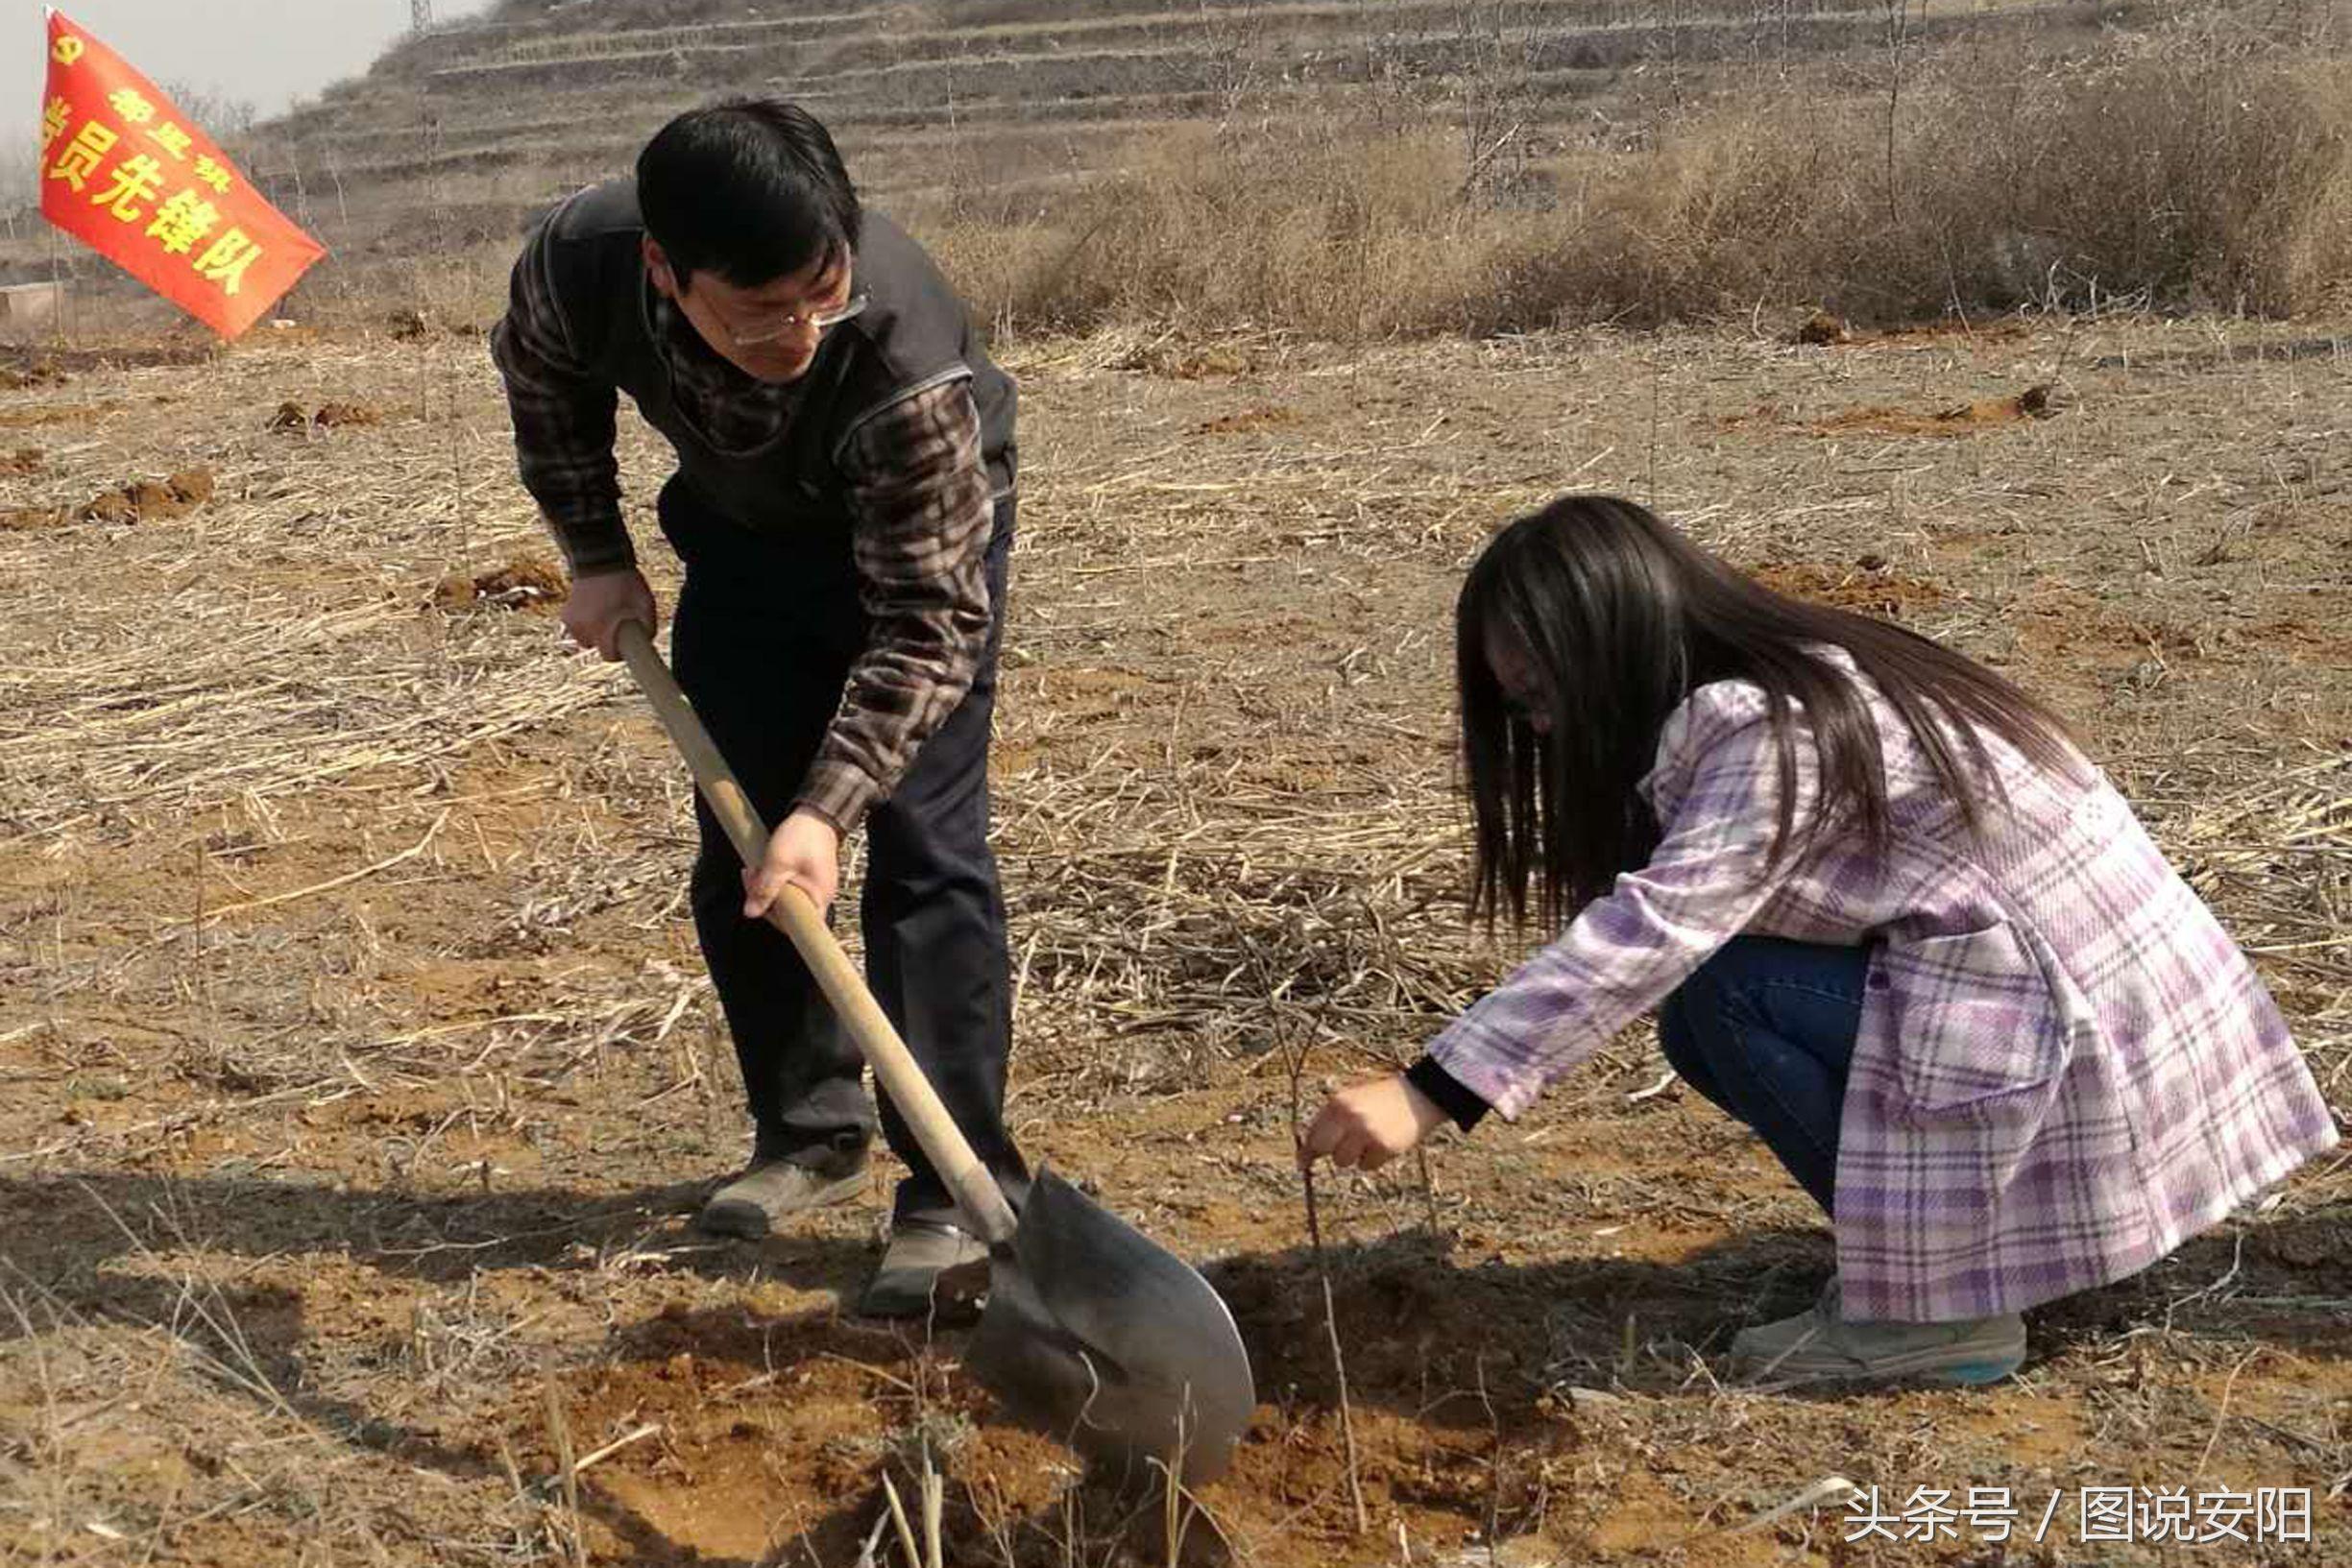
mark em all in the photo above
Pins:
pixel 1295 1052
pixel 927 1550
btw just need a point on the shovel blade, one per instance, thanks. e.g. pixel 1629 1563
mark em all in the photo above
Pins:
pixel 1096 1334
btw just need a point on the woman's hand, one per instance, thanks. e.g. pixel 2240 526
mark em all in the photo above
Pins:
pixel 1365 1128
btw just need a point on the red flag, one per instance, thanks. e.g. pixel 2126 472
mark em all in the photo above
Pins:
pixel 124 171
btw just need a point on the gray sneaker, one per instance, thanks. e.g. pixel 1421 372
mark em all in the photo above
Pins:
pixel 930 1268
pixel 1820 1345
pixel 753 1203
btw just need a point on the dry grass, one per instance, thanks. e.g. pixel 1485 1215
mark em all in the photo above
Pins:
pixel 2157 172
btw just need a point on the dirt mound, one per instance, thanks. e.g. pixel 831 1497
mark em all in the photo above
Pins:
pixel 148 500
pixel 24 460
pixel 726 1422
pixel 1962 419
pixel 1821 328
pixel 534 583
pixel 134 500
pixel 290 416
pixel 2035 402
pixel 1867 586
pixel 711 1456
pixel 1246 420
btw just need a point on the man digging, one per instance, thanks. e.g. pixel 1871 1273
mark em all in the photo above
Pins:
pixel 844 505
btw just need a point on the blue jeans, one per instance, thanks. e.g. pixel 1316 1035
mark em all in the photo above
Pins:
pixel 1765 1029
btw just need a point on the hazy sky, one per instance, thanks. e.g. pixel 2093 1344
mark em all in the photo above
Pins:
pixel 266 51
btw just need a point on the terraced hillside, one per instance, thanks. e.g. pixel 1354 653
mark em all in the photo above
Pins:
pixel 455 136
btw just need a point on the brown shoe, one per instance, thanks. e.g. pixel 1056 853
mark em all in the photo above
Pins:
pixel 753 1203
pixel 930 1269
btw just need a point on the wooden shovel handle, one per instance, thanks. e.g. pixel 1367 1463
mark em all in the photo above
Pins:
pixel 976 1191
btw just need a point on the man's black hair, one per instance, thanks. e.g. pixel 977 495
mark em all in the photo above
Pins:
pixel 752 189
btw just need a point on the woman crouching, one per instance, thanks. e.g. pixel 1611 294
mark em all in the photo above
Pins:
pixel 1890 918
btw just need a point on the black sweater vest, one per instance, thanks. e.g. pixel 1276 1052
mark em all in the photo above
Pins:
pixel 913 335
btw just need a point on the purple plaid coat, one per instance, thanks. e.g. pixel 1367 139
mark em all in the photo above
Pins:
pixel 2064 1067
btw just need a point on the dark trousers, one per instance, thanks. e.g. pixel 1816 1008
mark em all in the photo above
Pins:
pixel 766 631
pixel 1765 1029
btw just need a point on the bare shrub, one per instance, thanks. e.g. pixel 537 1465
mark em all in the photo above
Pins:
pixel 2222 183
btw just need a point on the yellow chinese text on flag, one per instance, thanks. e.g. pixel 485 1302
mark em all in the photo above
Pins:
pixel 124 171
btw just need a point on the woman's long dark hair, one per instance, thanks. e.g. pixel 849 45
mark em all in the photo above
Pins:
pixel 1620 617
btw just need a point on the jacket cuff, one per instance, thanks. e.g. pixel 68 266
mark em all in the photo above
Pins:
pixel 593 550
pixel 1447 1093
pixel 840 792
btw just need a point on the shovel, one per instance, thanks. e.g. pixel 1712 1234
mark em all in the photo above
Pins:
pixel 1092 1331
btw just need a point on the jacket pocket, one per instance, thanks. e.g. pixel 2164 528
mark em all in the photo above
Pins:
pixel 1975 1020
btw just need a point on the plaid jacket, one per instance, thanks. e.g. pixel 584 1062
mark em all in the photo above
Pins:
pixel 2064 1067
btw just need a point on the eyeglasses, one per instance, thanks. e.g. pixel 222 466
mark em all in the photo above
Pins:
pixel 786 324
